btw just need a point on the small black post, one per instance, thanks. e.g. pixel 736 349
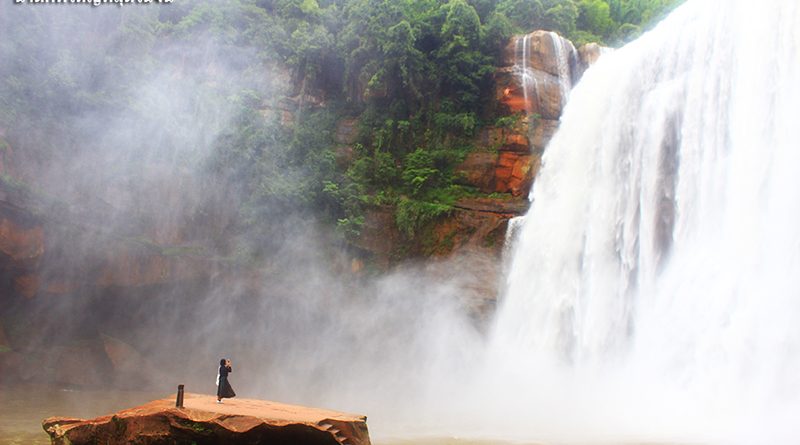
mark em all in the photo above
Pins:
pixel 179 400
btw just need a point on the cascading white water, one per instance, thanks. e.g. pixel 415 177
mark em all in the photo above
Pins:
pixel 514 224
pixel 659 263
pixel 521 69
pixel 563 50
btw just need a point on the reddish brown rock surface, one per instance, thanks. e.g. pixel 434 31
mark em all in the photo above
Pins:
pixel 203 421
pixel 379 235
pixel 513 138
pixel 127 267
pixel 4 346
pixel 478 170
pixel 515 173
pixel 129 367
pixel 20 243
pixel 588 54
pixel 529 114
pixel 506 207
pixel 542 52
pixel 27 285
pixel 546 102
pixel 542 130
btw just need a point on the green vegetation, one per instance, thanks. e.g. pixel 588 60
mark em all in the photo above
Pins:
pixel 197 427
pixel 416 74
pixel 610 22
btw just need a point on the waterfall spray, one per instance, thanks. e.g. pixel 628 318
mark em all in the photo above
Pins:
pixel 658 264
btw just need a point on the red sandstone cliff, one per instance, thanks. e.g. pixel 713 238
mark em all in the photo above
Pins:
pixel 508 154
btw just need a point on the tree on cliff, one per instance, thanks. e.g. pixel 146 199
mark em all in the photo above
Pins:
pixel 415 72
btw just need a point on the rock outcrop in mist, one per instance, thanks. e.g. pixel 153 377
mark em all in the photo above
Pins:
pixel 201 421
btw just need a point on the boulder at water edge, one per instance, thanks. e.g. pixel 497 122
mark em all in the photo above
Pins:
pixel 203 421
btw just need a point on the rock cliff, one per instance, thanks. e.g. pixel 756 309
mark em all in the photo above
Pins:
pixel 532 85
pixel 78 253
pixel 531 89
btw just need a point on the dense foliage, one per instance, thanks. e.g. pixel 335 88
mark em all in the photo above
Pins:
pixel 414 72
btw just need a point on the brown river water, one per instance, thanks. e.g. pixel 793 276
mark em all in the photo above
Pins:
pixel 22 409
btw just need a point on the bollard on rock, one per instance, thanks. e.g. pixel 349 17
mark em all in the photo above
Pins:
pixel 179 400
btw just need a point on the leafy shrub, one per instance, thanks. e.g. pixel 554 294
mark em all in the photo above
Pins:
pixel 412 215
pixel 420 172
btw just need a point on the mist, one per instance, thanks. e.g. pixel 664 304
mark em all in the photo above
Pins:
pixel 133 170
pixel 602 332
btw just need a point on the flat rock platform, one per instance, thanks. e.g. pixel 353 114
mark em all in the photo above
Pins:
pixel 203 421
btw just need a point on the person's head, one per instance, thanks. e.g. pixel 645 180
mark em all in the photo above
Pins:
pixel 222 362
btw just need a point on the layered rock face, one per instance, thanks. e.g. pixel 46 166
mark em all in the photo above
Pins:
pixel 59 254
pixel 531 87
pixel 202 421
pixel 538 71
pixel 28 239
pixel 21 247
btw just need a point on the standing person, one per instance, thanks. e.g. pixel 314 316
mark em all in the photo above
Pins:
pixel 224 389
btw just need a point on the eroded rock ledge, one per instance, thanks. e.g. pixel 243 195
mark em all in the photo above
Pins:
pixel 203 421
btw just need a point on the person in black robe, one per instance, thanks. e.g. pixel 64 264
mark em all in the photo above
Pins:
pixel 224 389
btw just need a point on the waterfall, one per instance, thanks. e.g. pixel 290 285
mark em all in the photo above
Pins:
pixel 514 226
pixel 563 49
pixel 522 70
pixel 530 76
pixel 660 258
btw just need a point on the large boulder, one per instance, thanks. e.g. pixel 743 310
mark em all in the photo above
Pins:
pixel 203 422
